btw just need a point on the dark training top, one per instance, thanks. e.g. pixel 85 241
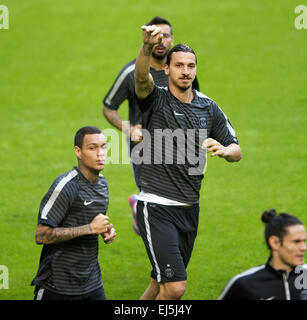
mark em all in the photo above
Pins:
pixel 173 178
pixel 265 283
pixel 71 267
pixel 123 89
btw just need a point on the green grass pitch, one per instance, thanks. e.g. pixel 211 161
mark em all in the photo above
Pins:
pixel 59 58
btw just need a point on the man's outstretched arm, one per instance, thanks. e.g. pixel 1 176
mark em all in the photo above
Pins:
pixel 144 83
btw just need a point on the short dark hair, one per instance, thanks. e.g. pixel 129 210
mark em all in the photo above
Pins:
pixel 181 47
pixel 159 20
pixel 79 136
pixel 276 225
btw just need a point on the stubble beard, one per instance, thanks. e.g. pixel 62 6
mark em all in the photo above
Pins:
pixel 160 57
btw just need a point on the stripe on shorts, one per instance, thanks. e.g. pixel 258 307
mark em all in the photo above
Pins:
pixel 145 211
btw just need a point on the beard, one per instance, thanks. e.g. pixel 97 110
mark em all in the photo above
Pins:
pixel 182 86
pixel 186 86
pixel 160 56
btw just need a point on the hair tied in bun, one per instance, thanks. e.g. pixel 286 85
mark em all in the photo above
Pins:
pixel 268 215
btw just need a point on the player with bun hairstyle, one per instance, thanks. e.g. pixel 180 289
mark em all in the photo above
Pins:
pixel 277 225
pixel 282 277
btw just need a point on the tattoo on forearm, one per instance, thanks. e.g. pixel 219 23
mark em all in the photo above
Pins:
pixel 48 235
pixel 114 118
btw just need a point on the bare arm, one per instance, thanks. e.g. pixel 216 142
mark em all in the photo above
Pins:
pixel 144 83
pixel 115 119
pixel 113 116
pixel 231 153
pixel 48 235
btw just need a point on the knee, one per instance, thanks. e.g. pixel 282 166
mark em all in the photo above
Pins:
pixel 174 290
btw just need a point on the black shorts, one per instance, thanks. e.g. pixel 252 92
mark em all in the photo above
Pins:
pixel 168 233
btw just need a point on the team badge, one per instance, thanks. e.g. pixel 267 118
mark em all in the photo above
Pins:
pixel 203 123
pixel 169 272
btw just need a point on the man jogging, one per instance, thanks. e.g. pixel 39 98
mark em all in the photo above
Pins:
pixel 168 205
pixel 71 216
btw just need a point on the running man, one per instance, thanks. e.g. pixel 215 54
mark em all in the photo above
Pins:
pixel 71 216
pixel 168 205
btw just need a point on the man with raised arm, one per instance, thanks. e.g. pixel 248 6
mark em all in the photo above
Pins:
pixel 123 90
pixel 168 205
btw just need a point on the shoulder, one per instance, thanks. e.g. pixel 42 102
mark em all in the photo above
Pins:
pixel 67 177
pixel 204 98
pixel 128 68
pixel 202 95
pixel 61 193
pixel 65 181
pixel 243 279
pixel 215 110
pixel 102 180
pixel 155 94
pixel 161 94
pixel 250 273
pixel 126 73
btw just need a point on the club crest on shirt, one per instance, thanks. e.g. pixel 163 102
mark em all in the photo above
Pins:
pixel 203 123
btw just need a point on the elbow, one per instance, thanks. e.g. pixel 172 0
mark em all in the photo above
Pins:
pixel 105 111
pixel 140 78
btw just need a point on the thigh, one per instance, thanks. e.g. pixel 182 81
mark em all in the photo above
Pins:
pixel 188 233
pixel 161 239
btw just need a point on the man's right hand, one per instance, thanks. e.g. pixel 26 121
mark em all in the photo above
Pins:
pixel 100 224
pixel 144 83
pixel 136 134
pixel 152 35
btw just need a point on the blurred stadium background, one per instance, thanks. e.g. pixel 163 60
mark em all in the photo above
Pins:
pixel 59 58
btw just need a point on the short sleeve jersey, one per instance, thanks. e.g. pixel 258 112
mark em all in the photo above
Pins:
pixel 71 267
pixel 178 173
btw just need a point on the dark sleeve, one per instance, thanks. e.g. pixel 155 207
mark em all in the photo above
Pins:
pixel 56 202
pixel 222 130
pixel 122 88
